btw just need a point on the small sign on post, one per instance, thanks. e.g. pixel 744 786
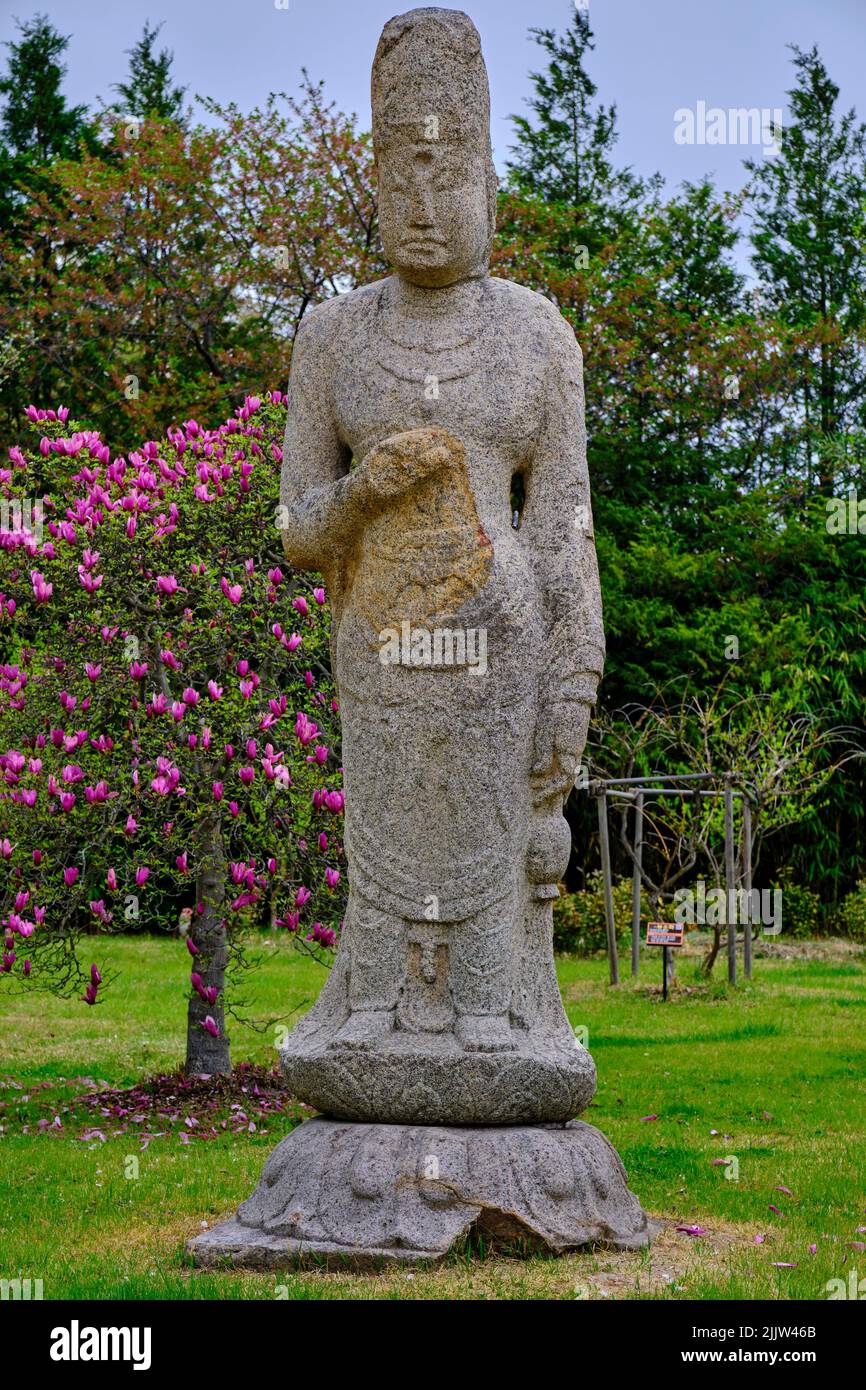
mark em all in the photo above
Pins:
pixel 666 935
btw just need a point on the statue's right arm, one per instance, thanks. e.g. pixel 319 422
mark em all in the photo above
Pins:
pixel 321 502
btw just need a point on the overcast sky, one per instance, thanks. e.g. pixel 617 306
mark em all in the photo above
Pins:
pixel 652 57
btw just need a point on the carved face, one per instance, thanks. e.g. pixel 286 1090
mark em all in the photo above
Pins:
pixel 434 212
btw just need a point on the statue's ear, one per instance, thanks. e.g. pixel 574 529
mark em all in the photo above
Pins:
pixel 492 201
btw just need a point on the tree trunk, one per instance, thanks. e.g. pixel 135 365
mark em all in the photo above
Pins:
pixel 207 1055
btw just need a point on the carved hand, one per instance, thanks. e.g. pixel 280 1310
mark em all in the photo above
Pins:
pixel 403 460
pixel 560 738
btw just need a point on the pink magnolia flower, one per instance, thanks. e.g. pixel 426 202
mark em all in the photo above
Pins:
pixel 42 590
pixel 305 729
pixel 166 584
pixel 141 876
pixel 319 595
pixel 233 592
pixel 300 603
pixel 217 791
pixel 92 671
pixel 210 1027
pixel 302 896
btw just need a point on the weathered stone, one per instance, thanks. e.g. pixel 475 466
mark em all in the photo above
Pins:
pixel 467 652
pixel 356 1196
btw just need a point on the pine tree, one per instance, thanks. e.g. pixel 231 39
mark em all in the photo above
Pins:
pixel 809 205
pixel 148 93
pixel 564 155
pixel 36 126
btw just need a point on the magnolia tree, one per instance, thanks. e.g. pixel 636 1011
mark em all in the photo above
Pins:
pixel 168 735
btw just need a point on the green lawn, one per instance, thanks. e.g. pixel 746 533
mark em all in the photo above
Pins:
pixel 776 1068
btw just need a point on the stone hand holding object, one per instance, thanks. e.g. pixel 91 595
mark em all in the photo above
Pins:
pixel 404 460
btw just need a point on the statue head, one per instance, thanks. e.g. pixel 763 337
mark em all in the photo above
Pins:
pixel 431 136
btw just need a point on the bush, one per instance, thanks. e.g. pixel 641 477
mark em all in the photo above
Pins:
pixel 802 910
pixel 850 918
pixel 578 918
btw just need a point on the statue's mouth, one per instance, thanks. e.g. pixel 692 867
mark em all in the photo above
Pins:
pixel 422 243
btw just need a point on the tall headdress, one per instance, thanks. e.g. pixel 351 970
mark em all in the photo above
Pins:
pixel 430 82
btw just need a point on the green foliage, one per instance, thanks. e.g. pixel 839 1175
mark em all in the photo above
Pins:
pixel 578 918
pixel 803 915
pixel 850 919
pixel 37 126
pixel 148 92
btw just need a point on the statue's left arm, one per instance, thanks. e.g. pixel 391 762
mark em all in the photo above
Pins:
pixel 557 531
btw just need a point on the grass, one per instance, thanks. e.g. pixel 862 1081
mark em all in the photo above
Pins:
pixel 770 1074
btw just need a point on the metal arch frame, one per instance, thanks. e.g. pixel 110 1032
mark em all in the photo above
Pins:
pixel 637 789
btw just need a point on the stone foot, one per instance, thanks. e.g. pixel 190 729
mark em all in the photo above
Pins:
pixel 360 1196
pixel 485 1033
pixel 364 1029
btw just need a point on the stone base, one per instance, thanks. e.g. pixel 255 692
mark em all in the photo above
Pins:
pixel 361 1196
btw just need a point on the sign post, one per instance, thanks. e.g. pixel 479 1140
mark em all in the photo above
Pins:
pixel 666 935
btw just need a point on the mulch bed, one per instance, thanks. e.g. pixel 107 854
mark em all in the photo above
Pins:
pixel 187 1108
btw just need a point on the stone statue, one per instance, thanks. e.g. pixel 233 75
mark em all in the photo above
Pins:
pixel 467 648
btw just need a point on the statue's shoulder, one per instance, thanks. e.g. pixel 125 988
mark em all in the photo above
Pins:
pixel 531 315
pixel 335 316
